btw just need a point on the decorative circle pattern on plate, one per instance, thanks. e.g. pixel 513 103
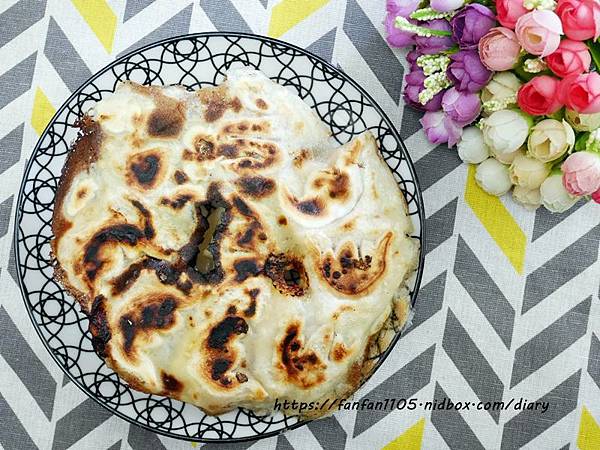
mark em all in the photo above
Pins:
pixel 193 61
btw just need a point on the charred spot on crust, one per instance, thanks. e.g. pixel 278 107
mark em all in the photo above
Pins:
pixel 222 332
pixel 216 102
pixel 339 352
pixel 241 377
pixel 256 186
pixel 126 279
pixel 156 313
pixel 180 177
pixel 201 256
pixel 228 150
pixel 148 228
pixel 221 356
pixel 99 326
pixel 352 275
pixel 246 268
pixel 81 192
pixel 144 168
pixel 128 331
pixel 242 207
pixel 301 157
pixel 251 309
pixel 166 120
pixel 176 203
pixel 204 147
pixel 219 367
pixel 339 186
pixel 261 103
pixel 171 385
pixel 122 233
pixel 287 274
pixel 282 221
pixel 311 207
pixel 257 155
pixel 246 239
pixel 302 367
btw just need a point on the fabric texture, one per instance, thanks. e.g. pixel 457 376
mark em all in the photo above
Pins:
pixel 508 307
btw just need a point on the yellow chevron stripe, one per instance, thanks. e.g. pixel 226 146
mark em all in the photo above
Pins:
pixel 288 13
pixel 42 111
pixel 101 19
pixel 589 432
pixel 497 221
pixel 411 439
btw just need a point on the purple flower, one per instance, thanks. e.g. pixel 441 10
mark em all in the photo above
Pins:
pixel 414 86
pixel 402 8
pixel 462 107
pixel 471 24
pixel 435 44
pixel 440 128
pixel 412 57
pixel 467 72
pixel 396 37
pixel 446 5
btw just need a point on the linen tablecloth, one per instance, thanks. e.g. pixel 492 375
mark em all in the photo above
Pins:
pixel 508 307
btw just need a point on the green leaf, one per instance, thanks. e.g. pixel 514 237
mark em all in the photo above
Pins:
pixel 595 52
pixel 581 141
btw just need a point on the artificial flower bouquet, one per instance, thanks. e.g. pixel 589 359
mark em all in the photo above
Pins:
pixel 514 85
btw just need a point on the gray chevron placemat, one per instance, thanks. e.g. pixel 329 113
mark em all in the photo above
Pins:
pixel 508 311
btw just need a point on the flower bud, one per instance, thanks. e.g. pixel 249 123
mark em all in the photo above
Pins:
pixel 529 198
pixel 528 172
pixel 554 196
pixel 501 86
pixel 505 131
pixel 471 148
pixel 581 173
pixel 508 158
pixel 583 122
pixel 550 139
pixel 493 177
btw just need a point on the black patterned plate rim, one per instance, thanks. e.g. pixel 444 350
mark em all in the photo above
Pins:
pixel 314 58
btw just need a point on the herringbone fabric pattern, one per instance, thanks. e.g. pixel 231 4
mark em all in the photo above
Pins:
pixel 509 302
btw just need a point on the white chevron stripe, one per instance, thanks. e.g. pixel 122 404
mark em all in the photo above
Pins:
pixel 24 406
pixel 147 21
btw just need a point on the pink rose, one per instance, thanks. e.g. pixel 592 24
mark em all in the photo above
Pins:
pixel 499 49
pixel 581 173
pixel 581 93
pixel 539 32
pixel 596 196
pixel 539 96
pixel 571 58
pixel 509 11
pixel 580 18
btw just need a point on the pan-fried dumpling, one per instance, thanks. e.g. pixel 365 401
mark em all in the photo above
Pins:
pixel 226 252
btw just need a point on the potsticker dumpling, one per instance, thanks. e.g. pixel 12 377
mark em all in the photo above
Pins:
pixel 226 252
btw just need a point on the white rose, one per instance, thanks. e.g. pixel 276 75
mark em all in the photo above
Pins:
pixel 505 131
pixel 471 148
pixel 583 122
pixel 529 198
pixel 528 172
pixel 493 177
pixel 550 139
pixel 554 196
pixel 502 85
pixel 508 158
